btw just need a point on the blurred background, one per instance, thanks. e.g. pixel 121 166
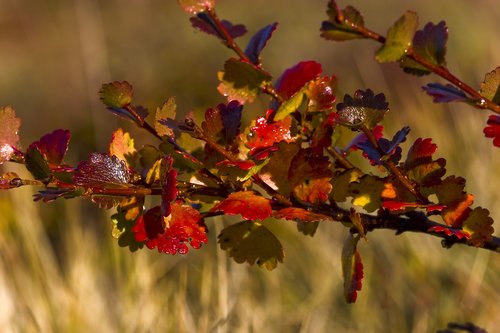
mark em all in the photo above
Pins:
pixel 60 269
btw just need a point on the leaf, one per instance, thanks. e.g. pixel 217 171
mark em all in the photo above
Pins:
pixel 387 147
pixel 204 22
pixel 309 176
pixel 241 81
pixel 289 106
pixel 171 234
pixel 168 188
pixel 480 226
pixel 264 135
pixel 102 170
pixel 445 93
pixel 490 87
pixel 124 220
pixel 8 132
pixel 352 268
pixel 252 242
pixel 430 45
pixel 53 146
pixel 341 184
pixel 460 234
pixel 300 214
pixel 355 218
pixel 367 192
pixel 196 6
pixel 166 112
pixel 399 38
pixel 320 94
pixel 275 172
pixel 339 27
pixel 363 109
pixel 36 164
pixel 455 214
pixel 296 77
pixel 493 129
pixel 259 41
pixel 117 94
pixel 246 203
pixel 399 206
pixel 231 119
pixel 307 228
pixel 420 165
pixel 122 146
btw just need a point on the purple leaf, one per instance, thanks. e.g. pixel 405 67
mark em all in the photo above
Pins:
pixel 259 41
pixel 203 22
pixel 53 146
pixel 101 169
pixel 231 119
pixel 445 93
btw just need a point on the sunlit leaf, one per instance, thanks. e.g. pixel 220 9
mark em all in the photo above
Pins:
pixel 8 132
pixel 122 146
pixel 341 184
pixel 241 81
pixel 264 135
pixel 339 27
pixel 299 214
pixel 117 94
pixel 102 169
pixel 246 203
pixel 252 242
pixel 363 109
pixel 455 214
pixel 493 129
pixel 420 165
pixel 479 225
pixel 290 105
pixel 352 268
pixel 490 87
pixel 445 93
pixel 295 78
pixel 53 146
pixel 167 111
pixel 367 192
pixel 430 45
pixel 399 38
pixel 321 94
pixel 258 42
pixel 124 220
pixel 196 6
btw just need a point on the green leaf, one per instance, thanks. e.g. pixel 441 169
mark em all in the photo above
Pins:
pixel 241 80
pixel 352 268
pixel 341 184
pixel 290 105
pixel 479 225
pixel 399 38
pixel 37 165
pixel 367 193
pixel 8 132
pixel 117 94
pixel 429 44
pixel 122 229
pixel 490 87
pixel 339 27
pixel 252 242
pixel 168 110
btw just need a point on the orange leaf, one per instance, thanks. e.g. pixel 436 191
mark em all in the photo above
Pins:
pixel 454 215
pixel 122 146
pixel 293 213
pixel 250 205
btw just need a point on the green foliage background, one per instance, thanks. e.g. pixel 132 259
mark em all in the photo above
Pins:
pixel 60 270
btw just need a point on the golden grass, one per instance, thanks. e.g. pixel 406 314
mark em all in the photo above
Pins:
pixel 60 270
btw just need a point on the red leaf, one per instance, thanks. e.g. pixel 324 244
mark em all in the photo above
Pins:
pixel 293 213
pixel 294 78
pixel 398 206
pixel 250 205
pixel 171 234
pixel 493 130
pixel 422 148
pixel 320 93
pixel 243 165
pixel 264 135
pixel 53 146
pixel 8 132
pixel 450 231
pixel 101 169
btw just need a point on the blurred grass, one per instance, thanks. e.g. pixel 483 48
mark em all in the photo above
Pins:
pixel 60 271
